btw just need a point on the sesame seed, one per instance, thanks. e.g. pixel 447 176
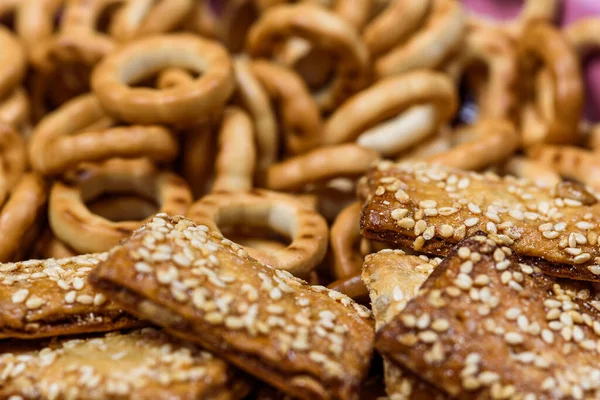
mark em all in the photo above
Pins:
pixel 406 223
pixel 401 195
pixel 99 299
pixel 513 338
pixel 379 191
pixel 474 208
pixel 428 204
pixel 85 299
pixel 440 325
pixel 583 257
pixel 594 269
pixel 19 296
pixel 446 230
pixel 420 227
pixel 34 302
pixel 471 221
pixel 78 283
pixel 464 252
pixel 584 225
pixel 399 213
pixel 550 234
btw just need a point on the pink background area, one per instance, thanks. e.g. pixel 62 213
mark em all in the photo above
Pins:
pixel 570 10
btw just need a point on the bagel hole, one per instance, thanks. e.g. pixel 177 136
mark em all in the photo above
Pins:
pixel 151 80
pixel 468 110
pixel 316 67
pixel 591 66
pixel 7 18
pixel 255 237
pixel 122 207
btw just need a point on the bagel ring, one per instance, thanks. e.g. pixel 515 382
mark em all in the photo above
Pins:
pixel 182 105
pixel 281 213
pixel 569 161
pixel 61 140
pixel 21 217
pixel 35 20
pixel 15 110
pixel 138 18
pixel 388 98
pixel 535 171
pixel 13 159
pixel 497 95
pixel 197 159
pixel 441 34
pixel 323 29
pixel 255 99
pixel 384 31
pixel 490 141
pixel 344 239
pixel 12 62
pixel 75 225
pixel 236 157
pixel 299 114
pixel 545 43
pixel 316 166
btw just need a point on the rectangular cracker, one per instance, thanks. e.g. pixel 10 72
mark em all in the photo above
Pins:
pixel 486 326
pixel 43 298
pixel 307 341
pixel 142 364
pixel 431 208
pixel 393 279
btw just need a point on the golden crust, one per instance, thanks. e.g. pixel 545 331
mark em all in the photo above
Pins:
pixel 306 340
pixel 486 326
pixel 43 298
pixel 394 278
pixel 431 208
pixel 142 364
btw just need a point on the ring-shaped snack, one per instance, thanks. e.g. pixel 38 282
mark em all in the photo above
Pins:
pixel 544 44
pixel 299 114
pixel 440 35
pixel 21 217
pixel 316 166
pixel 138 18
pixel 62 140
pixel 284 214
pixel 12 62
pixel 388 98
pixel 384 32
pixel 255 99
pixel 352 286
pixel 323 29
pixel 197 158
pixel 236 156
pixel 570 162
pixel 489 141
pixel 181 105
pixel 344 239
pixel 13 159
pixel 15 110
pixel 48 246
pixel 35 20
pixel 533 170
pixel 74 224
pixel 496 94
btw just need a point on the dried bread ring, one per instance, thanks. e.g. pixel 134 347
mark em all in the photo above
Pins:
pixel 260 244
pixel 300 117
pixel 496 96
pixel 441 34
pixel 236 157
pixel 255 99
pixel 13 160
pixel 492 141
pixel 344 238
pixel 283 214
pixel 388 98
pixel 138 18
pixel 197 158
pixel 535 171
pixel 61 140
pixel 181 105
pixel 15 110
pixel 384 32
pixel 35 20
pixel 171 77
pixel 532 11
pixel 352 286
pixel 12 62
pixel 583 35
pixel 323 29
pixel 571 162
pixel 317 166
pixel 546 44
pixel 21 216
pixel 75 225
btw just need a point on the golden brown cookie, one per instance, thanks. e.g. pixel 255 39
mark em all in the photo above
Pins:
pixel 431 208
pixel 485 325
pixel 43 298
pixel 306 340
pixel 141 364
